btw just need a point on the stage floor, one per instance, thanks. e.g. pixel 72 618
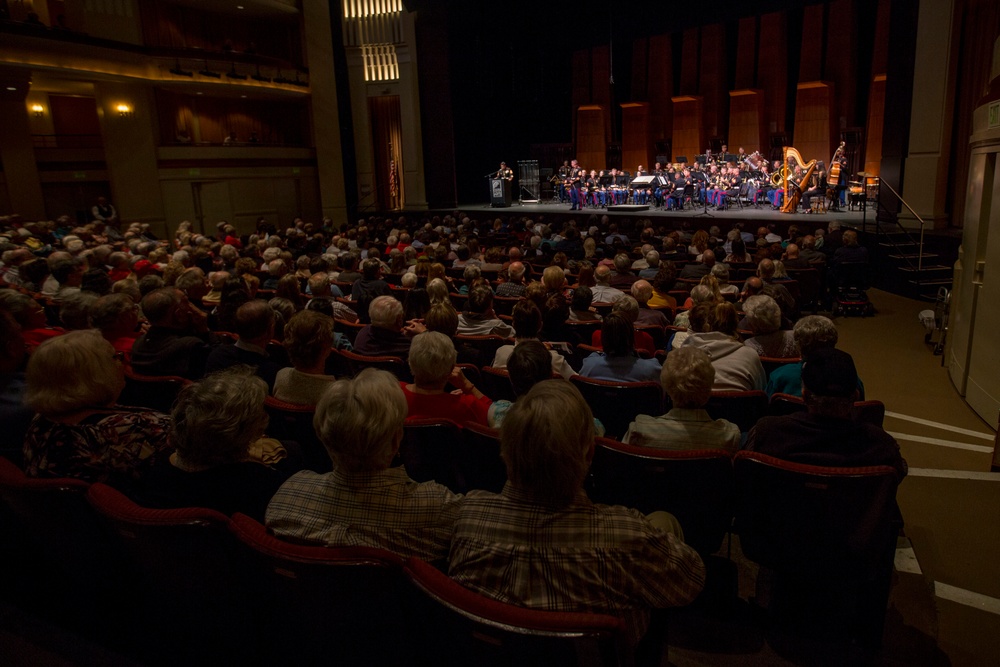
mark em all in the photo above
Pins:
pixel 858 218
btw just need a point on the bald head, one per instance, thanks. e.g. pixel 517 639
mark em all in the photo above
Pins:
pixel 792 251
pixel 602 274
pixel 765 269
pixel 708 258
pixel 516 271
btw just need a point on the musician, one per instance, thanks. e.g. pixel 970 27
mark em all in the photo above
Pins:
pixel 575 184
pixel 721 157
pixel 593 188
pixel 563 175
pixel 675 199
pixel 816 188
pixel 505 172
pixel 840 190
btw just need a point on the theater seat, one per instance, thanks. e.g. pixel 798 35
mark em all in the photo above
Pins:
pixel 460 627
pixel 742 408
pixel 152 392
pixel 616 404
pixel 429 451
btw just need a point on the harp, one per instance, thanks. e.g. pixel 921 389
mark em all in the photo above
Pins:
pixel 793 195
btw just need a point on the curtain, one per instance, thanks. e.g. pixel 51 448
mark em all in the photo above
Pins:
pixel 386 124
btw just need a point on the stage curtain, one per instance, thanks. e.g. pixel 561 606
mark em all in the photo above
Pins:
pixel 386 124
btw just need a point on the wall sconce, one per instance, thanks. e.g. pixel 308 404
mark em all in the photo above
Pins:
pixel 124 110
pixel 38 110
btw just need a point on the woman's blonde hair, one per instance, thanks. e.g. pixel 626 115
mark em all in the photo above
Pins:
pixel 73 371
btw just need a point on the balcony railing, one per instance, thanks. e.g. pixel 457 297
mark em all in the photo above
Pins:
pixel 67 141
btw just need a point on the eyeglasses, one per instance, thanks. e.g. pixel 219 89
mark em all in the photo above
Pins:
pixel 119 357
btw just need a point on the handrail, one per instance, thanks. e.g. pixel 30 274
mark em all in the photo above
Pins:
pixel 920 247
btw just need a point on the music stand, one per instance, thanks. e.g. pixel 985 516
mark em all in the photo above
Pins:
pixel 682 158
pixel 700 176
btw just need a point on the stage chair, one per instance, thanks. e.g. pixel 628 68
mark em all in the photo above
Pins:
pixel 617 403
pixel 828 534
pixel 696 486
pixel 460 627
pixel 189 574
pixel 429 451
pixel 326 603
pixel 153 392
pixel 742 408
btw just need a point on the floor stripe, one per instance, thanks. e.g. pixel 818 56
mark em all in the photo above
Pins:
pixel 955 474
pixel 947 427
pixel 943 443
pixel 906 561
pixel 967 598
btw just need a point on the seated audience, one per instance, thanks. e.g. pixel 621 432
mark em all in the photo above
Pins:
pixel 15 416
pixel 542 544
pixel 826 435
pixel 527 326
pixel 117 318
pixel 603 292
pixel 309 343
pixel 370 285
pixel 580 308
pixel 73 383
pixel 687 379
pixel 255 328
pixel 642 292
pixel 479 318
pixel 177 341
pixel 364 502
pixel 30 316
pixel 215 423
pixel 432 363
pixel 764 318
pixel 386 335
pixel 737 367
pixel 443 318
pixel 619 362
pixel 628 308
pixel 812 333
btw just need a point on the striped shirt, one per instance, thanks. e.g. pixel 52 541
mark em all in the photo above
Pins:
pixel 384 509
pixel 683 429
pixel 583 558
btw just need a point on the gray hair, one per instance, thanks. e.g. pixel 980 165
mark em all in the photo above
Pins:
pixel 73 371
pixel 687 377
pixel 814 332
pixel 360 421
pixel 763 314
pixel 386 311
pixel 215 421
pixel 432 357
pixel 627 307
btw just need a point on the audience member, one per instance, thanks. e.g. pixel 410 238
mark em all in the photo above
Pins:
pixel 432 363
pixel 642 292
pixel 527 326
pixel 364 501
pixel 812 333
pixel 177 341
pixel 687 378
pixel 619 362
pixel 370 285
pixel 737 367
pixel 764 319
pixel 479 318
pixel 215 424
pixel 30 316
pixel 386 335
pixel 73 383
pixel 309 342
pixel 117 317
pixel 15 416
pixel 255 329
pixel 541 543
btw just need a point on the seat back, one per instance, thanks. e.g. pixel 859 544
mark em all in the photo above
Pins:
pixel 395 365
pixel 696 486
pixel 429 451
pixel 154 393
pixel 870 412
pixel 349 329
pixel 792 516
pixel 772 363
pixel 742 408
pixel 487 345
pixel 288 421
pixel 461 627
pixel 479 458
pixel 496 383
pixel 616 404
pixel 188 571
pixel 320 597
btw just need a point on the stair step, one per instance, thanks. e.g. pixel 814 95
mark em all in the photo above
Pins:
pixel 932 267
pixel 931 281
pixel 903 244
pixel 915 255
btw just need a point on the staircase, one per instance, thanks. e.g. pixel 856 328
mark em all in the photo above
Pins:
pixel 913 263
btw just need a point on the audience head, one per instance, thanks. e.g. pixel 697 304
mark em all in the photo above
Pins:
pixel 617 336
pixel 763 314
pixel 627 307
pixel 553 278
pixel 27 312
pixel 830 382
pixel 308 339
pixel 432 358
pixel 527 319
pixel 547 442
pixel 480 300
pixel 813 333
pixel 255 322
pixel 529 364
pixel 516 272
pixel 360 421
pixel 642 291
pixel 443 318
pixel 74 371
pixel 386 312
pixel 215 420
pixel 115 315
pixel 583 296
pixel 687 378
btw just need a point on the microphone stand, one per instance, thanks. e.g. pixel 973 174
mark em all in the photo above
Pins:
pixel 704 203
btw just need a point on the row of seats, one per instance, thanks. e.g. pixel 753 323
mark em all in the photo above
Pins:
pixel 194 586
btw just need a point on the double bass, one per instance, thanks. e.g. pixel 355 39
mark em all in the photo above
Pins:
pixel 833 177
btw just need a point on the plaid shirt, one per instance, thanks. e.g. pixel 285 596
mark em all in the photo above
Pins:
pixel 584 557
pixel 384 509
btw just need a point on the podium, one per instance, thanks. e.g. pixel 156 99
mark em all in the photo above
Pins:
pixel 499 193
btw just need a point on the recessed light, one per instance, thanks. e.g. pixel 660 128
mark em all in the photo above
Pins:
pixel 199 93
pixel 11 88
pixel 239 6
pixel 243 96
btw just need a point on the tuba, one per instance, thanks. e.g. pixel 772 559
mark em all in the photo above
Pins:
pixel 792 196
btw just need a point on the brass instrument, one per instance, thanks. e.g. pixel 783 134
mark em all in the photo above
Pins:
pixel 792 198
pixel 779 177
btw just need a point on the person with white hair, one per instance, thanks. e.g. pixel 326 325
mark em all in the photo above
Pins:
pixel 364 501
pixel 432 363
pixel 388 334
pixel 769 340
pixel 687 378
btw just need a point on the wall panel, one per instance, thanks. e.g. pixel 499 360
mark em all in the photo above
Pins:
pixel 746 121
pixel 689 132
pixel 636 147
pixel 591 142
pixel 813 132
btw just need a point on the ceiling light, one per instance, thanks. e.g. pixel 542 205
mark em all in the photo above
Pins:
pixel 11 88
pixel 239 6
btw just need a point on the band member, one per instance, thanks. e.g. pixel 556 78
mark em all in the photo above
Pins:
pixel 816 187
pixel 505 172
pixel 575 183
pixel 563 176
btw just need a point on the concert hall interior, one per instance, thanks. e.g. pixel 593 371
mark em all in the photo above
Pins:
pixel 881 116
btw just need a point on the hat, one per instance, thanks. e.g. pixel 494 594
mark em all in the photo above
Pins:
pixel 830 372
